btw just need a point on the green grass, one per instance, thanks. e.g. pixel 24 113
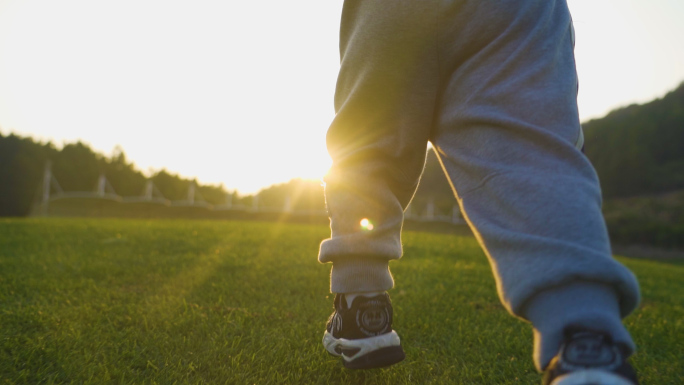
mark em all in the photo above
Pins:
pixel 144 302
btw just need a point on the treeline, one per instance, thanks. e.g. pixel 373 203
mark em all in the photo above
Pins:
pixel 295 195
pixel 639 149
pixel 77 167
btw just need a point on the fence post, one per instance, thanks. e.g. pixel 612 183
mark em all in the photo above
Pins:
pixel 101 184
pixel 47 178
pixel 430 212
pixel 455 214
pixel 149 189
pixel 191 193
pixel 288 205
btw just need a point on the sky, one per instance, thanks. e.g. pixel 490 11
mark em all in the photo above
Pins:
pixel 241 92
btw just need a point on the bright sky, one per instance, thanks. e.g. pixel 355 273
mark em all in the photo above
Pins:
pixel 241 92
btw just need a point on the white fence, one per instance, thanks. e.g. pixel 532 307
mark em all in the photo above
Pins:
pixel 52 191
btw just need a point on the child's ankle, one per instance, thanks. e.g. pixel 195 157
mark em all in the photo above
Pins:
pixel 350 296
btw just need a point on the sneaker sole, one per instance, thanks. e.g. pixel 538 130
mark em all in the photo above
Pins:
pixel 591 377
pixel 366 353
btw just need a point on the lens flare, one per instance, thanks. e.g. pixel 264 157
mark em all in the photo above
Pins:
pixel 366 224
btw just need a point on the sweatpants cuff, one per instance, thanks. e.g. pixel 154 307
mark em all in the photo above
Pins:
pixel 585 304
pixel 360 274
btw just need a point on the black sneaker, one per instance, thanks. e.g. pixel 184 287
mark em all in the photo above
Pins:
pixel 362 335
pixel 589 358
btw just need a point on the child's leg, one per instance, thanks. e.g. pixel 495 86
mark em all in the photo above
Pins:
pixel 384 103
pixel 507 135
pixel 502 78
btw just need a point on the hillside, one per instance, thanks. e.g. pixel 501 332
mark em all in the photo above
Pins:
pixel 639 149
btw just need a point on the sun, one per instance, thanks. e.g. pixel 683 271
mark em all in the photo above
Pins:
pixel 366 224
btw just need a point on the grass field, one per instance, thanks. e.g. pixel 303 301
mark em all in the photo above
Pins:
pixel 144 302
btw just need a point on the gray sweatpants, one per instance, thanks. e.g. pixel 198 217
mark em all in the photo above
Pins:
pixel 492 85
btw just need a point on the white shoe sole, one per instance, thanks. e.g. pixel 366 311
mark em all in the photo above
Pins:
pixel 335 346
pixel 591 377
